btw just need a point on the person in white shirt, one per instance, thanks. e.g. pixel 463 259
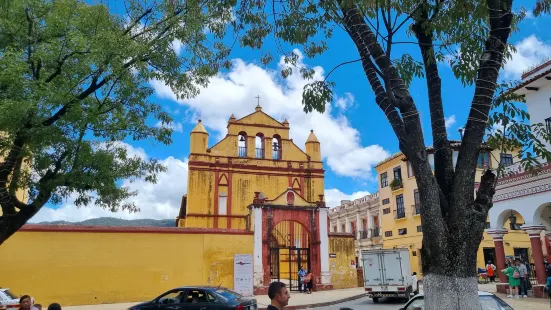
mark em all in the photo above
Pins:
pixel 414 283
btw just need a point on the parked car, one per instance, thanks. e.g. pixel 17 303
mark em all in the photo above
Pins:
pixel 199 298
pixel 488 301
pixel 8 300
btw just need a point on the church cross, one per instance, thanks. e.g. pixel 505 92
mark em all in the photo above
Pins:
pixel 258 99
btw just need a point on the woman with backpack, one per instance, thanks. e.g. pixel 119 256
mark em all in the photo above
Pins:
pixel 513 273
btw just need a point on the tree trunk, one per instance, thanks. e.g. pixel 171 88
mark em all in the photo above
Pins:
pixel 11 223
pixel 450 292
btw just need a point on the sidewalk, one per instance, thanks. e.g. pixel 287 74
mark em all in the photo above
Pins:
pixel 297 301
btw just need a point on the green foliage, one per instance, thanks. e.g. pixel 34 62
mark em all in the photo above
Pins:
pixel 458 29
pixel 74 84
pixel 409 68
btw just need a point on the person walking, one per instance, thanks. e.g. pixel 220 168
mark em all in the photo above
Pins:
pixel 301 275
pixel 514 280
pixel 279 296
pixel 309 280
pixel 25 303
pixel 490 270
pixel 54 306
pixel 523 289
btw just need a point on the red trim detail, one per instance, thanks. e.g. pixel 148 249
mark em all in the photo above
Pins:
pixel 340 235
pixel 216 200
pixel 253 167
pixel 228 200
pixel 290 181
pixel 276 160
pixel 108 229
pixel 521 174
pixel 253 172
pixel 216 215
pixel 521 196
pixel 536 69
pixel 223 180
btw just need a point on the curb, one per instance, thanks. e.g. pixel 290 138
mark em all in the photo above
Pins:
pixel 323 304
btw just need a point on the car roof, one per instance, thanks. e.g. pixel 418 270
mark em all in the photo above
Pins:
pixel 480 293
pixel 202 287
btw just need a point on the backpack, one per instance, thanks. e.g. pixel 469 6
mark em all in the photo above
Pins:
pixel 516 274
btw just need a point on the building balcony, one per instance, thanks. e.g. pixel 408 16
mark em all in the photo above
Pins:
pixel 396 184
pixel 375 232
pixel 400 213
pixel 416 209
pixel 363 234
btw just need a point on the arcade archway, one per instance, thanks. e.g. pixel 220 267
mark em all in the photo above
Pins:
pixel 289 250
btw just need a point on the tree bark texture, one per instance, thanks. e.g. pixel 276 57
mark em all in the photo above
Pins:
pixel 453 219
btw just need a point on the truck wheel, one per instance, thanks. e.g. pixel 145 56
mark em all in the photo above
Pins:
pixel 375 299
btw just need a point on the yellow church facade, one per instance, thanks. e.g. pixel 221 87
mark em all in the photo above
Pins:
pixel 400 208
pixel 257 155
pixel 254 192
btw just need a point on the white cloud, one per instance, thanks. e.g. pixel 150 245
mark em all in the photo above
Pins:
pixel 235 92
pixel 177 127
pixel 334 196
pixel 177 46
pixel 530 51
pixel 450 121
pixel 156 201
pixel 344 102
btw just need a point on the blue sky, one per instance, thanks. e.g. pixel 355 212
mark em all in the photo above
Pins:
pixel 353 132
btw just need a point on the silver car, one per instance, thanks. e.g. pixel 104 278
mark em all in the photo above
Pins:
pixel 488 301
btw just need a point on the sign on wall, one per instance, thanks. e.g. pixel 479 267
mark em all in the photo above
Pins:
pixel 332 255
pixel 243 274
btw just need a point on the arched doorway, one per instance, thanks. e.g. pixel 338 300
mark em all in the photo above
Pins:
pixel 289 249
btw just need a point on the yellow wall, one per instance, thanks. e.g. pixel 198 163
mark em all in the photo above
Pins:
pixel 413 239
pixel 77 268
pixel 21 193
pixel 343 273
pixel 241 177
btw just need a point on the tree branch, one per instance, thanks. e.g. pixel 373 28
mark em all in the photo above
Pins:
pixel 136 21
pixel 491 60
pixel 443 154
pixel 61 62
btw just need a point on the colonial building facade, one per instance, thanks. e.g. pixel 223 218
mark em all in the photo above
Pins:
pixel 257 178
pixel 400 207
pixel 522 203
pixel 361 218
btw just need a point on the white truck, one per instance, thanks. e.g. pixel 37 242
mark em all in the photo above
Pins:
pixel 387 273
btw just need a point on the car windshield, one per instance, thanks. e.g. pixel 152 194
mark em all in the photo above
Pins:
pixel 228 294
pixel 10 294
pixel 493 303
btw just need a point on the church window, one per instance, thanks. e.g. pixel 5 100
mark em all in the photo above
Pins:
pixel 259 146
pixel 222 204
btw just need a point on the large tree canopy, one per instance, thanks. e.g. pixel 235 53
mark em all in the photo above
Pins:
pixel 74 84
pixel 473 36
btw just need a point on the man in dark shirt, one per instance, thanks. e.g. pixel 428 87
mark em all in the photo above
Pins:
pixel 279 296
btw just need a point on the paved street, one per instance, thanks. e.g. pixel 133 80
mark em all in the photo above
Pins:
pixel 390 304
pixel 367 303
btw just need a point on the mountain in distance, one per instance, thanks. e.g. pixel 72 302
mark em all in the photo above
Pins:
pixel 111 221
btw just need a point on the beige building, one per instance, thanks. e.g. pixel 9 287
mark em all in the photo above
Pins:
pixel 360 217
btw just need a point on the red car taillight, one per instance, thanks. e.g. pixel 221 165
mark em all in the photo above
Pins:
pixel 240 307
pixel 368 289
pixel 401 289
